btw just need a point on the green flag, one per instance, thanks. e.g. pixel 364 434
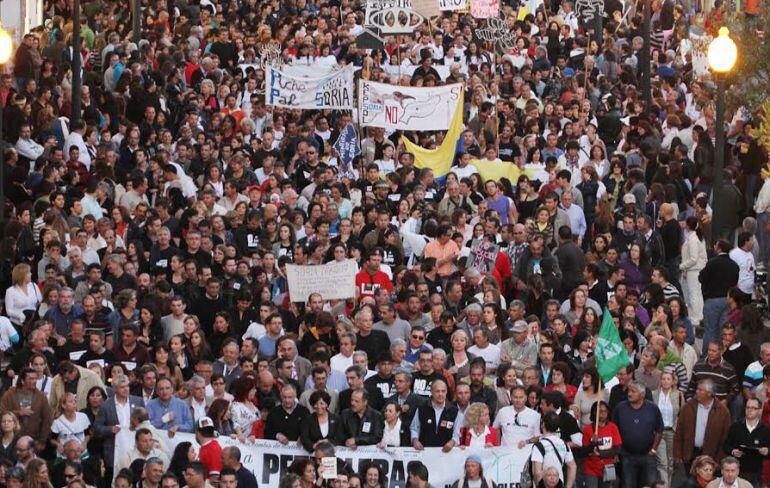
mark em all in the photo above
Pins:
pixel 610 352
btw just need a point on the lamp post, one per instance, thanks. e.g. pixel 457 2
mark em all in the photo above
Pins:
pixel 77 81
pixel 644 57
pixel 136 17
pixel 6 49
pixel 722 54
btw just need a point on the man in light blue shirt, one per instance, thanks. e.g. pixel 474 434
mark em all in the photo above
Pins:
pixel 577 218
pixel 168 412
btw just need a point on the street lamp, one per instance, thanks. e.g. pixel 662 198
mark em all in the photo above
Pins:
pixel 6 49
pixel 722 54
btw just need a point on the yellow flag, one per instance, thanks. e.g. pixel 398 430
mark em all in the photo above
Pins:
pixel 495 170
pixel 439 160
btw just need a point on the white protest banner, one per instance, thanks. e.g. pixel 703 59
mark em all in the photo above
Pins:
pixel 407 108
pixel 445 5
pixel 485 9
pixel 333 90
pixel 335 280
pixel 483 256
pixel 269 460
pixel 426 8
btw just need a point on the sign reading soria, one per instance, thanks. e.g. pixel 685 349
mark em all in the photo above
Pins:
pixel 332 91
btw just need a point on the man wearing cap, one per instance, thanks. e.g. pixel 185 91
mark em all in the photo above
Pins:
pixel 519 350
pixel 210 452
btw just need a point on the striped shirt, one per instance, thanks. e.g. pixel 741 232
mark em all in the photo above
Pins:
pixel 753 376
pixel 723 375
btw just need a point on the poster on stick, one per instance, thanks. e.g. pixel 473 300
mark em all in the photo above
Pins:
pixel 483 256
pixel 333 281
pixel 485 9
pixel 452 5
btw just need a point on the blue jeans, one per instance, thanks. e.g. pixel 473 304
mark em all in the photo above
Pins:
pixel 714 316
pixel 638 470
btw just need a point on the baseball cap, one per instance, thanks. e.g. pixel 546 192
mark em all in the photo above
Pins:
pixel 205 426
pixel 629 198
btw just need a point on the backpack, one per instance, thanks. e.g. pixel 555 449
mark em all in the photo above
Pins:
pixel 528 474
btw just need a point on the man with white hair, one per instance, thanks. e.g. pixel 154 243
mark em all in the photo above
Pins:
pixel 114 416
pixel 369 340
pixel 702 426
pixel 198 400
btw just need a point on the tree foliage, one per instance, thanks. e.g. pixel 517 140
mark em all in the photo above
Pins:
pixel 749 82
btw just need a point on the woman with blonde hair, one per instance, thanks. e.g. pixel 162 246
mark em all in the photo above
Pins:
pixel 477 431
pixel 70 423
pixel 23 297
pixel 9 434
pixel 669 401
pixel 458 361
pixel 702 472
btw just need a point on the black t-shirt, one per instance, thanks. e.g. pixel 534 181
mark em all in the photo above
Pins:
pixel 508 151
pixel 423 383
pixel 387 386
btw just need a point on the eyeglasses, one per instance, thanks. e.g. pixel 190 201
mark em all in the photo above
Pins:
pixel 418 337
pixel 69 476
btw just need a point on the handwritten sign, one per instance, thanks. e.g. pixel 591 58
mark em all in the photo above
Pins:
pixel 333 90
pixel 426 8
pixel 452 5
pixel 333 281
pixel 485 9
pixel 483 256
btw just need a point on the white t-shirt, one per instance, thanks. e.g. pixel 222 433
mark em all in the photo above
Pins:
pixel 550 458
pixel 746 269
pixel 255 330
pixel 465 172
pixel 491 354
pixel 340 363
pixel 71 429
pixel 517 426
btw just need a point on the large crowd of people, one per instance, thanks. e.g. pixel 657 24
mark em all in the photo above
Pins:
pixel 145 241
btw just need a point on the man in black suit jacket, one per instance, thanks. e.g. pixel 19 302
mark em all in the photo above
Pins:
pixel 355 376
pixel 408 400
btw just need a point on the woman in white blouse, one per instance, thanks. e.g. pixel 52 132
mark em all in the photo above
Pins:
pixel 243 411
pixel 669 400
pixel 693 261
pixel 23 296
pixel 396 432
